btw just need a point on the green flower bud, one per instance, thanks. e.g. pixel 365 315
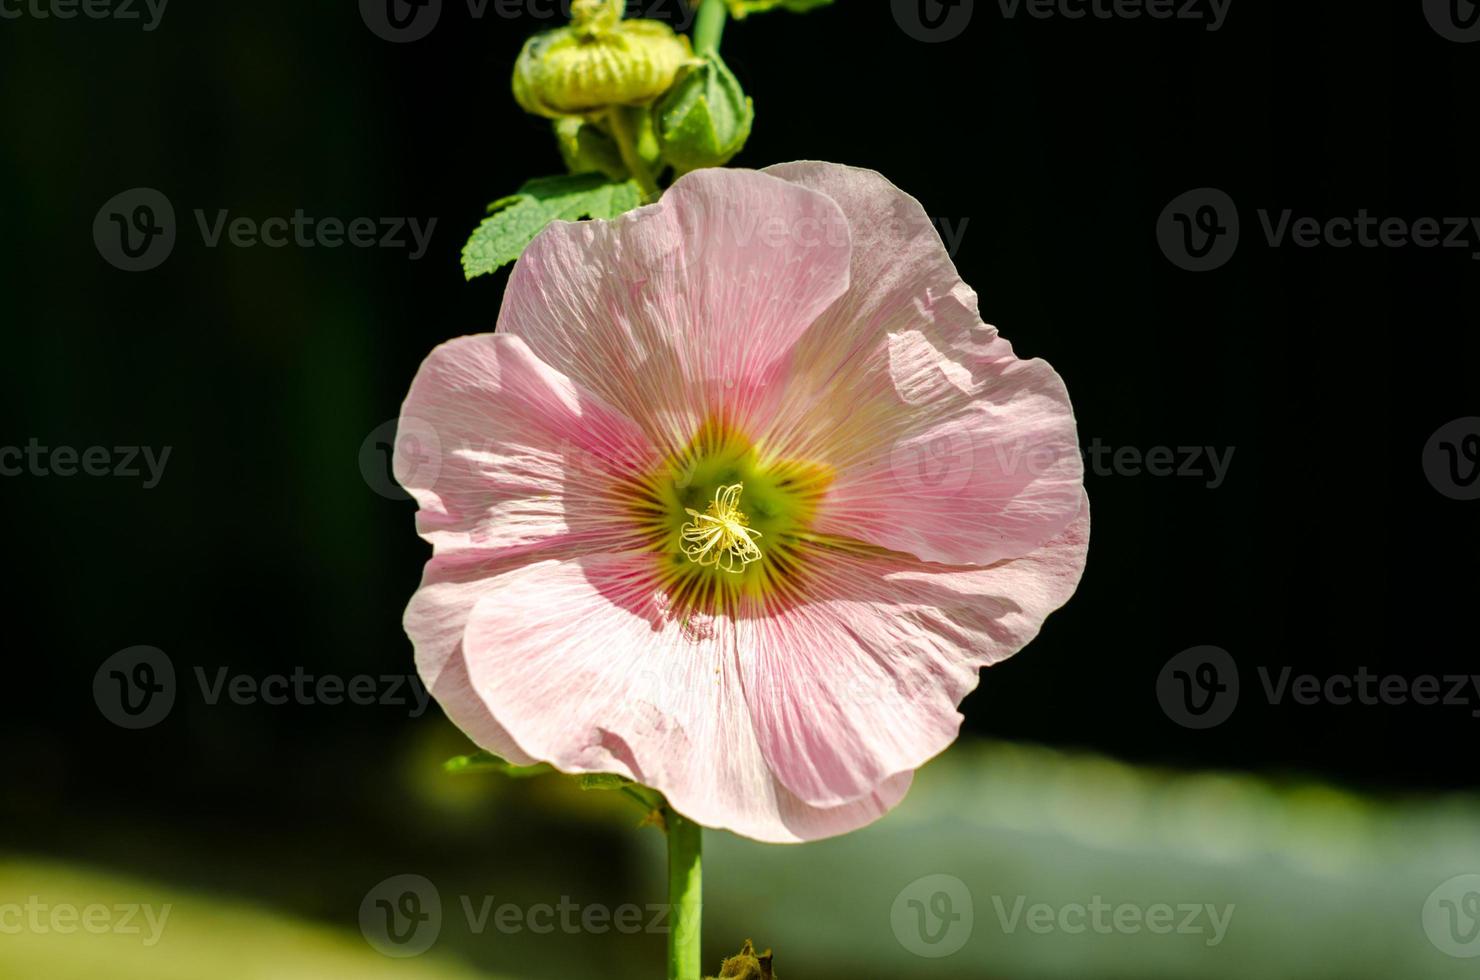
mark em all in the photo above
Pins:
pixel 705 118
pixel 598 61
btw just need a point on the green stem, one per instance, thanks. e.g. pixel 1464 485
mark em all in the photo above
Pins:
pixel 626 138
pixel 685 895
pixel 709 27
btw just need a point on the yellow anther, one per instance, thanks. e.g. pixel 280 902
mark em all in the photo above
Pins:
pixel 721 536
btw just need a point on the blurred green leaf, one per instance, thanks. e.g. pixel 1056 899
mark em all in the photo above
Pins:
pixel 603 780
pixel 740 9
pixel 513 221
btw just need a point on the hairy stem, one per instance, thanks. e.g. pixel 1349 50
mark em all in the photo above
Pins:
pixel 709 26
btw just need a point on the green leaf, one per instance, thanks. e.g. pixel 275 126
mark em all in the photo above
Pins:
pixel 513 221
pixel 481 761
pixel 740 9
pixel 603 780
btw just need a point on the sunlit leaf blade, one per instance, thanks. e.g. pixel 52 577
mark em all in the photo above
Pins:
pixel 514 221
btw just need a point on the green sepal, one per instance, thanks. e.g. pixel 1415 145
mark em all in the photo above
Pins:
pixel 705 119
pixel 586 148
pixel 603 780
pixel 640 118
pixel 480 761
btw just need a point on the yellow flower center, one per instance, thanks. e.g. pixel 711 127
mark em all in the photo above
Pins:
pixel 721 535
pixel 728 524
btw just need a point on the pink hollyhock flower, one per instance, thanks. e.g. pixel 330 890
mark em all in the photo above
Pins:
pixel 737 500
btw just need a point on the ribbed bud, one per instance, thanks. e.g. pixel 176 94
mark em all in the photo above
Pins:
pixel 598 61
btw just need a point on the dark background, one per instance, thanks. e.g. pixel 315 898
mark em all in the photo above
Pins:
pixel 1058 142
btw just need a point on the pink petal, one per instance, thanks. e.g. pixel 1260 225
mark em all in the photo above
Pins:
pixel 958 470
pixel 582 665
pixel 945 444
pixel 435 619
pixel 680 310
pixel 504 454
pixel 862 679
pixel 508 460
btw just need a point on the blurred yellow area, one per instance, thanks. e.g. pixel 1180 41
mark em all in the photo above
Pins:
pixel 66 923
